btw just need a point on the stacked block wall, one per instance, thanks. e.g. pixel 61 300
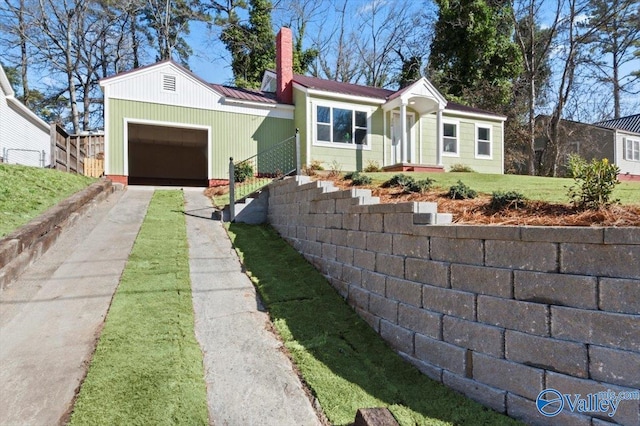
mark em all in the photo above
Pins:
pixel 498 313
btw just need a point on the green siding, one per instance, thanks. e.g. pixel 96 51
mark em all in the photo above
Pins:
pixel 300 120
pixel 348 159
pixel 466 141
pixel 232 135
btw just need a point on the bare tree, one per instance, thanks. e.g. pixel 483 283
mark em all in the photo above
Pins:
pixel 534 46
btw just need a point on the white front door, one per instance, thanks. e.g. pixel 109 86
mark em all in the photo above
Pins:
pixel 396 139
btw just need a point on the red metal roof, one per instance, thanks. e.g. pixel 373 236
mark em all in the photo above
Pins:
pixel 343 88
pixel 245 94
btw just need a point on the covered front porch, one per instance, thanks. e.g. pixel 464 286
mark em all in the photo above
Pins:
pixel 409 145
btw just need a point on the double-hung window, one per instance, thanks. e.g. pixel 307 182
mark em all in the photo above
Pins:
pixel 483 141
pixel 632 149
pixel 450 138
pixel 341 125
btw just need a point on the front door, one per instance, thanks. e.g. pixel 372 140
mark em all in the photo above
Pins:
pixel 396 139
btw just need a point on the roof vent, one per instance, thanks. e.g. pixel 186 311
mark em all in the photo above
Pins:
pixel 169 83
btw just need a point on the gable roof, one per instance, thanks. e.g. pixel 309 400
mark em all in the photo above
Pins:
pixel 225 91
pixel 629 123
pixel 19 106
pixel 342 88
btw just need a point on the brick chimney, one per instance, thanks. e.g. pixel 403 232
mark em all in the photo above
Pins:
pixel 284 66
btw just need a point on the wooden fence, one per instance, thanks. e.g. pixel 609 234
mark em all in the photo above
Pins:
pixel 82 154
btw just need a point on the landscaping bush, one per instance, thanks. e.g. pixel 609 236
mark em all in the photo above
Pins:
pixel 461 168
pixel 509 199
pixel 418 186
pixel 397 181
pixel 372 167
pixel 460 191
pixel 312 168
pixel 335 169
pixel 242 172
pixel 594 182
pixel 357 179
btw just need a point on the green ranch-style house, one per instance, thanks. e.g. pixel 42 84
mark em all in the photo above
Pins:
pixel 165 124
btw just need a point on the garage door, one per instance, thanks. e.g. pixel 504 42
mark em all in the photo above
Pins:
pixel 160 155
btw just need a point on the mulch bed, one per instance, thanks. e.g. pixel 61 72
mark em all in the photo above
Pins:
pixel 538 213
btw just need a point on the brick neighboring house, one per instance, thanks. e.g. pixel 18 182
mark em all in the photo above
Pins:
pixel 617 140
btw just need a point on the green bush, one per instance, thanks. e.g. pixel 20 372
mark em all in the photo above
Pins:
pixel 357 179
pixel 509 199
pixel 461 168
pixel 594 182
pixel 242 172
pixel 460 191
pixel 372 167
pixel 418 186
pixel 397 181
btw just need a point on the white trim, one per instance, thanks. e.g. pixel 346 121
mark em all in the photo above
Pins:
pixel 474 115
pixel 502 145
pixel 340 105
pixel 384 138
pixel 626 141
pixel 125 139
pixel 420 134
pixel 476 140
pixel 457 124
pixel 308 125
pixel 258 104
pixel 107 120
pixel 341 96
pixel 165 76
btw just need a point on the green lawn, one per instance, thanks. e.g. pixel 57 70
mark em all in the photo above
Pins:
pixel 344 362
pixel 26 192
pixel 147 368
pixel 533 187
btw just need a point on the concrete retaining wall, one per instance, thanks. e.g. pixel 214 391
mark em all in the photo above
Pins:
pixel 499 313
pixel 22 247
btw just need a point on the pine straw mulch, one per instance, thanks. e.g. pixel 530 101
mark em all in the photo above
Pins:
pixel 538 213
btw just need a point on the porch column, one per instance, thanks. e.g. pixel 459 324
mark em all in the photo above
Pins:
pixel 439 137
pixel 403 131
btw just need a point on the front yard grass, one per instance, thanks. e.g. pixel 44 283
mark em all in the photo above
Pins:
pixel 344 362
pixel 147 368
pixel 552 190
pixel 26 192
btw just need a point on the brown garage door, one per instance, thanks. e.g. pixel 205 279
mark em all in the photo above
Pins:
pixel 161 155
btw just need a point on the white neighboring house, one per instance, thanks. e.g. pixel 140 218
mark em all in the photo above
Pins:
pixel 24 137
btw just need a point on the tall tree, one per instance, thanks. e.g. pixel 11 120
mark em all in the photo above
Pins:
pixel 17 24
pixel 168 22
pixel 473 53
pixel 297 15
pixel 252 45
pixel 534 46
pixel 617 36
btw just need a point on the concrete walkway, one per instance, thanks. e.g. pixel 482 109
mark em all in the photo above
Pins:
pixel 249 380
pixel 51 316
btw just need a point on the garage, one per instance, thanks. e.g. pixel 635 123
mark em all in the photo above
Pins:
pixel 163 155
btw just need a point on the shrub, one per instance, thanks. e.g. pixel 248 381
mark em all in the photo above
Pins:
pixel 460 191
pixel 335 169
pixel 510 200
pixel 397 180
pixel 312 168
pixel 594 182
pixel 372 167
pixel 242 172
pixel 461 168
pixel 357 179
pixel 418 186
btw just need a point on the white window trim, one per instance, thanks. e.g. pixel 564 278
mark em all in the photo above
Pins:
pixel 339 145
pixel 476 140
pixel 631 142
pixel 175 78
pixel 457 124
